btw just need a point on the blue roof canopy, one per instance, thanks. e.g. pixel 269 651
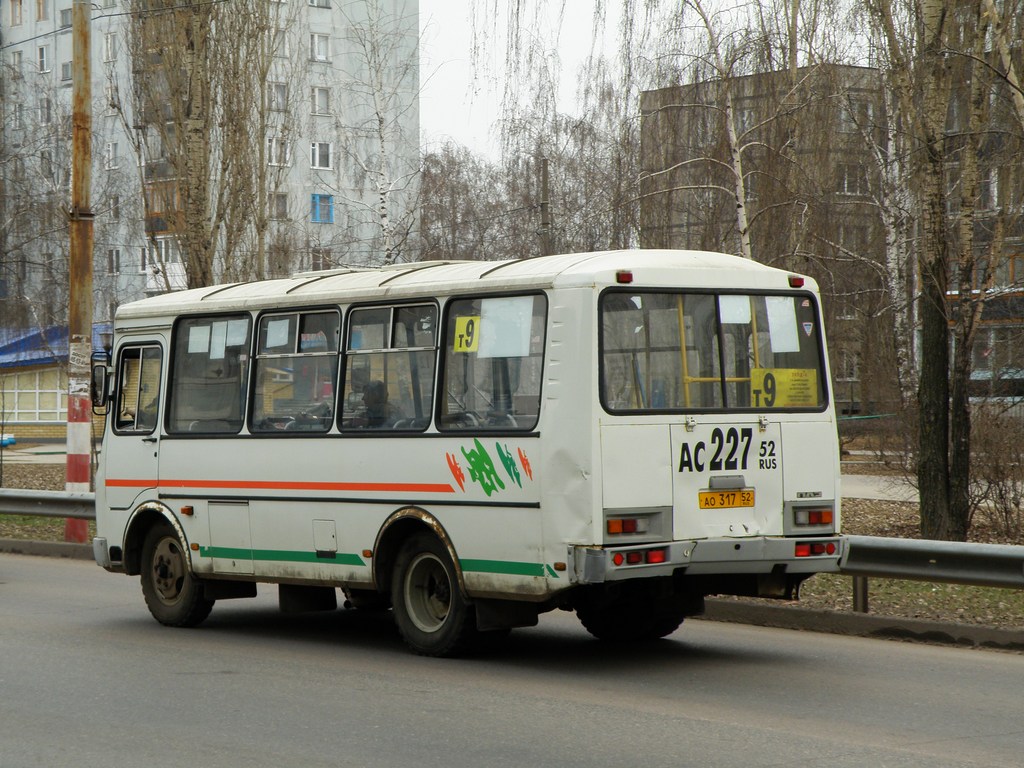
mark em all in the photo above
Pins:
pixel 21 347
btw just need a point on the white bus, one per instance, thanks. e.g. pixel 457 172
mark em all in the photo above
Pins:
pixel 474 443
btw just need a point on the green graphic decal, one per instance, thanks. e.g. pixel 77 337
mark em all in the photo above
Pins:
pixel 509 462
pixel 481 468
pixel 508 568
pixel 281 556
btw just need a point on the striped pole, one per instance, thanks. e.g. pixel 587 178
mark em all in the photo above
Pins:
pixel 79 457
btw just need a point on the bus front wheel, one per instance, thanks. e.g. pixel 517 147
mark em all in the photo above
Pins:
pixel 432 615
pixel 173 595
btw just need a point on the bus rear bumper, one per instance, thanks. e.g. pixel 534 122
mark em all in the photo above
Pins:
pixel 755 555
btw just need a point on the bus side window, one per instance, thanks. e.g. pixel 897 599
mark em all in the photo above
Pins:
pixel 138 389
pixel 209 371
pixel 295 372
pixel 493 363
pixel 389 368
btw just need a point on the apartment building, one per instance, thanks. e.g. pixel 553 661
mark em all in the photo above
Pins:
pixel 302 151
pixel 324 72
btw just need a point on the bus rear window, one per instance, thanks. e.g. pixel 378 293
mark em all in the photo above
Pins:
pixel 696 351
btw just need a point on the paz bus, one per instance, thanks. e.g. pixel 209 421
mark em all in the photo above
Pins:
pixel 471 444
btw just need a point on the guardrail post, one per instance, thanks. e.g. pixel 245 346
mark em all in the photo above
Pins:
pixel 860 594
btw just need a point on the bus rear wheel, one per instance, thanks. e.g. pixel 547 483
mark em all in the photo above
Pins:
pixel 173 595
pixel 432 615
pixel 633 615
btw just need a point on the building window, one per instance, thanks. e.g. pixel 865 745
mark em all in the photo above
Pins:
pixel 43 58
pixel 321 98
pixel 323 209
pixel 320 3
pixel 847 365
pixel 16 64
pixel 110 159
pixel 113 261
pixel 65 18
pixel 319 258
pixel 278 151
pixel 33 395
pixel 163 251
pixel 320 155
pixel 318 47
pixel 115 208
pixel 45 110
pixel 65 71
pixel 15 12
pixel 17 116
pixel 851 179
pixel 109 46
pixel 280 43
pixel 988 189
pixel 278 96
pixel 42 12
pixel 278 205
pixel 46 164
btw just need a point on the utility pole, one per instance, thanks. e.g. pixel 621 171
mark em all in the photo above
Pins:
pixel 546 236
pixel 80 269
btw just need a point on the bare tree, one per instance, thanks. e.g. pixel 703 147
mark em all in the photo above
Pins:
pixel 385 86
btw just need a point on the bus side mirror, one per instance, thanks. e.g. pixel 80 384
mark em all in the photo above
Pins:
pixel 99 385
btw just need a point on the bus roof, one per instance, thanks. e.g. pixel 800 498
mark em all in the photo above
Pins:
pixel 649 268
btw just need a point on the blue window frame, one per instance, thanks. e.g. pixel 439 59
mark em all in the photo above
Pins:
pixel 323 209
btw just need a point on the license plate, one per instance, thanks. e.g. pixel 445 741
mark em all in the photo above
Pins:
pixel 725 499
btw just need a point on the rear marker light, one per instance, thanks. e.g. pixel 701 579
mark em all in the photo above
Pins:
pixel 795 281
pixel 813 548
pixel 641 557
pixel 618 525
pixel 812 516
pixel 624 276
pixel 655 556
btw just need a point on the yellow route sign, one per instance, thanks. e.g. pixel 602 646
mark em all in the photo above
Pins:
pixel 467 334
pixel 784 388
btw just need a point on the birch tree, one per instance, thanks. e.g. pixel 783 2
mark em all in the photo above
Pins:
pixel 385 83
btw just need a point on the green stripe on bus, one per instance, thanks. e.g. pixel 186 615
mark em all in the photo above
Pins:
pixel 281 556
pixel 506 567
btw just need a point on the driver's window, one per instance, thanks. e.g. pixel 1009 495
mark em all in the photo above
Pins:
pixel 138 389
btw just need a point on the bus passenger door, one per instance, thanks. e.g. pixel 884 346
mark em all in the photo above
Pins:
pixel 131 450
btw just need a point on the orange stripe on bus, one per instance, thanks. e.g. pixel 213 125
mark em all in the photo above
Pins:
pixel 285 486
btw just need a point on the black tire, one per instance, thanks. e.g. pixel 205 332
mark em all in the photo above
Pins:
pixel 173 595
pixel 632 618
pixel 432 615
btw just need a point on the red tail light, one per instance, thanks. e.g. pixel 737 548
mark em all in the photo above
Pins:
pixel 814 548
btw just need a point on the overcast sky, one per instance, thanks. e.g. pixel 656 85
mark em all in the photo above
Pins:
pixel 454 104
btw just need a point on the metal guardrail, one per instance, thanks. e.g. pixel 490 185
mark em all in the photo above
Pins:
pixel 81 506
pixel 953 562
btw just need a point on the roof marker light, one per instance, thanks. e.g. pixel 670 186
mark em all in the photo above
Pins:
pixel 624 276
pixel 795 281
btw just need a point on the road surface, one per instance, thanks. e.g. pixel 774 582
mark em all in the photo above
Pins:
pixel 89 679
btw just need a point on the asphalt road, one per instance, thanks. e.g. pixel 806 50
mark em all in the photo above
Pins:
pixel 87 678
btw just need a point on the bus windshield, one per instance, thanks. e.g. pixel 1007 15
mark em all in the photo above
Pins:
pixel 670 351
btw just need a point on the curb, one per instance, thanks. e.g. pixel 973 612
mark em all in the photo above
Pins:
pixel 863 625
pixel 46 548
pixel 730 611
